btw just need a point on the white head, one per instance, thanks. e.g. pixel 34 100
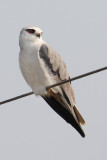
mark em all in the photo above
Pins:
pixel 30 34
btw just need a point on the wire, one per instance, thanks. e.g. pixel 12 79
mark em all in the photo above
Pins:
pixel 77 77
pixel 54 85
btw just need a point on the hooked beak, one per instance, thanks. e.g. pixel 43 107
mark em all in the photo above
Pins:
pixel 39 34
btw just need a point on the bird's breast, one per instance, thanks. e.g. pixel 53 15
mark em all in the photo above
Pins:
pixel 33 70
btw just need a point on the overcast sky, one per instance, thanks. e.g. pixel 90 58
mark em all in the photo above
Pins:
pixel 29 128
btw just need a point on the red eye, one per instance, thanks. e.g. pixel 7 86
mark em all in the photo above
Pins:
pixel 30 31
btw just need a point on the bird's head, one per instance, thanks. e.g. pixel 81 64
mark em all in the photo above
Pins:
pixel 30 34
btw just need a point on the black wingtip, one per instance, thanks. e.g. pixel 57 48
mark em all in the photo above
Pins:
pixel 76 125
pixel 64 113
pixel 83 136
pixel 81 132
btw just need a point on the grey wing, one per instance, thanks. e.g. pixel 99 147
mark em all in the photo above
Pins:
pixel 62 102
pixel 58 68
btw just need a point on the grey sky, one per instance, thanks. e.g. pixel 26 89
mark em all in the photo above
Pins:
pixel 29 128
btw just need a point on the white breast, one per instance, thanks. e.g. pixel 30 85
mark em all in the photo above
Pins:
pixel 33 69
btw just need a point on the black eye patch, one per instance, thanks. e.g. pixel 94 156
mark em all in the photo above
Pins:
pixel 32 31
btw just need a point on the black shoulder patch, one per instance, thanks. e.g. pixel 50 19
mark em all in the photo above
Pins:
pixel 43 52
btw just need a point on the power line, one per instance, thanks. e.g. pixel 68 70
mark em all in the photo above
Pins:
pixel 54 85
pixel 77 77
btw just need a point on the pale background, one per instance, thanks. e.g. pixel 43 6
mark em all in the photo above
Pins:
pixel 29 128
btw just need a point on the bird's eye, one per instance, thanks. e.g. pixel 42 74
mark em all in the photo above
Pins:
pixel 30 31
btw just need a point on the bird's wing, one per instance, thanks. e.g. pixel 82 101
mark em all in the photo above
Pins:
pixel 62 101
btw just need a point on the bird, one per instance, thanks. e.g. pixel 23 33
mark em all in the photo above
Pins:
pixel 42 66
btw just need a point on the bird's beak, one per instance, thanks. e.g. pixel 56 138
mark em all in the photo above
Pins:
pixel 39 34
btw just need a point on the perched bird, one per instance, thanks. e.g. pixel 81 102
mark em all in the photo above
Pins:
pixel 41 66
